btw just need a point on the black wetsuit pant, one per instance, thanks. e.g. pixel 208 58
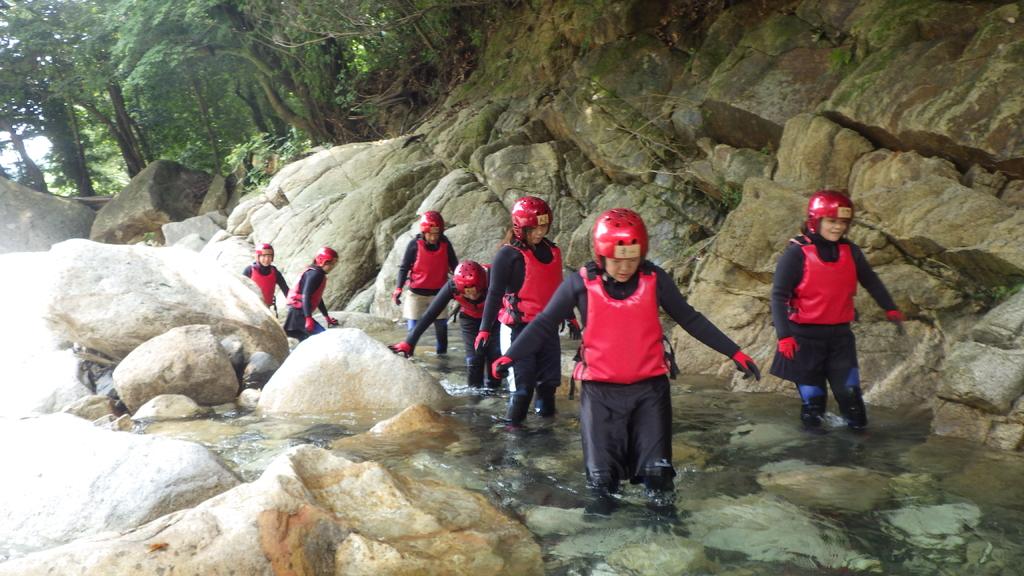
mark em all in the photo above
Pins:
pixel 540 372
pixel 826 354
pixel 478 365
pixel 627 433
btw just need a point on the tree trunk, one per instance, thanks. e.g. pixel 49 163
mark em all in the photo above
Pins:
pixel 32 175
pixel 204 117
pixel 130 149
pixel 258 119
pixel 287 114
pixel 63 131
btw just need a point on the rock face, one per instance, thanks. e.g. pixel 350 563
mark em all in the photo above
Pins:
pixel 163 192
pixel 344 370
pixel 717 139
pixel 312 513
pixel 187 360
pixel 74 480
pixel 32 221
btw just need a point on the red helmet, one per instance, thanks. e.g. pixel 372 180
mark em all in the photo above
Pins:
pixel 264 248
pixel 431 221
pixel 619 233
pixel 325 255
pixel 469 274
pixel 827 204
pixel 529 212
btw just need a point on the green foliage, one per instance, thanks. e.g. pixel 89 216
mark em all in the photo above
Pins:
pixel 262 152
pixel 839 59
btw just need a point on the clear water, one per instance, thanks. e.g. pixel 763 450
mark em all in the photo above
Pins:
pixel 722 440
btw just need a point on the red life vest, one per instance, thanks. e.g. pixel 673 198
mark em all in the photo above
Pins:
pixel 470 308
pixel 430 269
pixel 825 293
pixel 540 281
pixel 266 282
pixel 622 341
pixel 295 294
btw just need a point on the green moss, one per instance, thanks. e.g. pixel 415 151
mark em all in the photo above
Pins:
pixel 890 23
pixel 779 34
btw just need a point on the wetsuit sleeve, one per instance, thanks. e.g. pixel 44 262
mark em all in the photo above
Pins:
pixel 407 261
pixel 788 272
pixel 695 323
pixel 870 280
pixel 453 260
pixel 314 278
pixel 558 309
pixel 500 277
pixel 247 272
pixel 443 297
pixel 281 282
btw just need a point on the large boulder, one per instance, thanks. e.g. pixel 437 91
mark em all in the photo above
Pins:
pixel 187 360
pixel 97 301
pixel 73 480
pixel 344 370
pixel 202 228
pixel 31 220
pixel 113 298
pixel 814 486
pixel 312 513
pixel 163 192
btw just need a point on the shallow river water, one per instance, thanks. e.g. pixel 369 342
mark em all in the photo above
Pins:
pixel 754 493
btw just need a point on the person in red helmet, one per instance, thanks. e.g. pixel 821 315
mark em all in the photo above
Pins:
pixel 525 273
pixel 306 296
pixel 468 287
pixel 815 281
pixel 624 367
pixel 428 259
pixel 266 275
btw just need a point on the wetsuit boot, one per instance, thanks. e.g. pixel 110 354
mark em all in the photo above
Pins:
pixel 851 403
pixel 518 406
pixel 544 404
pixel 603 500
pixel 812 411
pixel 659 489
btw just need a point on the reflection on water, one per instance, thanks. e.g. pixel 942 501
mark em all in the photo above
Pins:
pixel 755 494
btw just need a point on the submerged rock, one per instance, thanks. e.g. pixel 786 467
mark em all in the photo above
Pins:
pixel 769 529
pixel 854 489
pixel 941 527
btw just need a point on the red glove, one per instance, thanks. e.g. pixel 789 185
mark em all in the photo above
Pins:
pixel 402 348
pixel 896 317
pixel 499 368
pixel 331 321
pixel 396 296
pixel 788 347
pixel 480 344
pixel 746 365
pixel 309 324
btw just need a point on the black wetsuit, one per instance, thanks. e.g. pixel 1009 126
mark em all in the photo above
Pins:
pixel 626 427
pixel 476 364
pixel 309 282
pixel 827 352
pixel 541 369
